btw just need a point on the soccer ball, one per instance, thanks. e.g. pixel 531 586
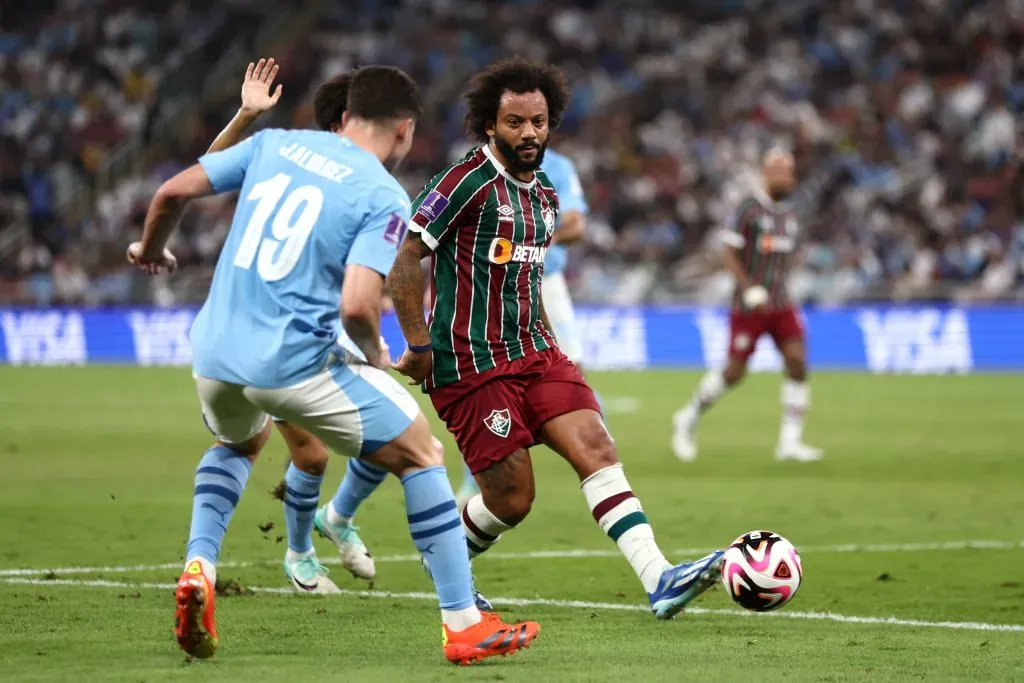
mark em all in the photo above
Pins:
pixel 762 571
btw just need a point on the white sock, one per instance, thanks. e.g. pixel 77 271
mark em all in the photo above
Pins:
pixel 619 514
pixel 334 519
pixel 481 527
pixel 209 568
pixel 711 387
pixel 292 556
pixel 460 619
pixel 796 396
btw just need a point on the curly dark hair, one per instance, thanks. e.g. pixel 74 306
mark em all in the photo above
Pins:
pixel 517 75
pixel 331 100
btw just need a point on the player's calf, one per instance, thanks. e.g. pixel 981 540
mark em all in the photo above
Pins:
pixel 507 491
pixel 712 387
pixel 795 398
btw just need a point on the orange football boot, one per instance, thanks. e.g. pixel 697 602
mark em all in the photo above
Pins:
pixel 194 624
pixel 488 638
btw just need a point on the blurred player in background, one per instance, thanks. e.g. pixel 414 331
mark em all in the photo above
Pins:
pixel 758 247
pixel 300 489
pixel 318 224
pixel 487 357
pixel 571 225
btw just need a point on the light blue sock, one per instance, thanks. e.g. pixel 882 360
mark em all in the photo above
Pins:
pixel 220 480
pixel 468 480
pixel 361 479
pixel 437 532
pixel 301 498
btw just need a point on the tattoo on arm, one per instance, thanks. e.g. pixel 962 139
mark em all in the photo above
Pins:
pixel 406 285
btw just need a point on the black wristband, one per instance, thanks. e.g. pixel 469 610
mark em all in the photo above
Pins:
pixel 421 349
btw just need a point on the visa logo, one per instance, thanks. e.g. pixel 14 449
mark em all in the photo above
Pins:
pixel 162 338
pixel 916 342
pixel 50 338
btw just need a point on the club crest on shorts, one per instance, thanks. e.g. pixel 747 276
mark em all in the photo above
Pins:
pixel 499 422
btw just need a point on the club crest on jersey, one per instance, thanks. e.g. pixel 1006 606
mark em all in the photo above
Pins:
pixel 506 213
pixel 502 251
pixel 499 422
pixel 549 219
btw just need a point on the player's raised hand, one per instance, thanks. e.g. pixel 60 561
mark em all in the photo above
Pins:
pixel 415 365
pixel 165 263
pixel 256 95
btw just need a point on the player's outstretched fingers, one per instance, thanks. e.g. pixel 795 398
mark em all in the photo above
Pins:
pixel 249 71
pixel 267 68
pixel 259 69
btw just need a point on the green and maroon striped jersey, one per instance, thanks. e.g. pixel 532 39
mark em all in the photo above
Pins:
pixel 489 233
pixel 765 233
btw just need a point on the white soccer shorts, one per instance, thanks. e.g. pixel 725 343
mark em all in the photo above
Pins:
pixel 558 304
pixel 354 409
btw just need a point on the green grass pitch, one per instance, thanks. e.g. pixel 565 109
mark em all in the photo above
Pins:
pixel 97 474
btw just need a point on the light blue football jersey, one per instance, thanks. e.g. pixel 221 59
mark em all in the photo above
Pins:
pixel 562 173
pixel 311 204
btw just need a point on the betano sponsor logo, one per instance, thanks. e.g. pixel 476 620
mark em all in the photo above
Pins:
pixel 502 251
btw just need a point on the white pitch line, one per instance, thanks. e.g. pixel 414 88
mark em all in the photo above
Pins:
pixel 568 604
pixel 543 555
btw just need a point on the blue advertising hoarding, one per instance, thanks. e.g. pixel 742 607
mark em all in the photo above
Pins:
pixel 884 339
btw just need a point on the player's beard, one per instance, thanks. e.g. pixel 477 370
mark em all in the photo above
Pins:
pixel 511 154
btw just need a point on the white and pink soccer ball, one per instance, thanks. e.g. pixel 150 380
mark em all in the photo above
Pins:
pixel 762 571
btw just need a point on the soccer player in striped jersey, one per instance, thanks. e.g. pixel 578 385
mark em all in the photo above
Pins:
pixel 486 356
pixel 758 246
pixel 572 220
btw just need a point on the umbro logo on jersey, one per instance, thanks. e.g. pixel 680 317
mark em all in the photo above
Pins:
pixel 506 213
pixel 499 422
pixel 502 251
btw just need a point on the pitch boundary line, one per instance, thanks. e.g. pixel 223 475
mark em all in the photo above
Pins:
pixel 539 555
pixel 567 604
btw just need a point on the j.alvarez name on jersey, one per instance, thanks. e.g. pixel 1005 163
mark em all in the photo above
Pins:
pixel 315 163
pixel 503 251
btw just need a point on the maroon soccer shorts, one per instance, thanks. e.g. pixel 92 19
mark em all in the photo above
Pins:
pixel 494 414
pixel 746 327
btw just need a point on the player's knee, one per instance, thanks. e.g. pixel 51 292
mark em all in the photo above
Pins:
pixel 307 452
pixel 415 449
pixel 432 456
pixel 796 368
pixel 734 372
pixel 599 446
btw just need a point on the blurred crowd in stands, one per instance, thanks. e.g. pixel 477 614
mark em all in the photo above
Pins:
pixel 905 117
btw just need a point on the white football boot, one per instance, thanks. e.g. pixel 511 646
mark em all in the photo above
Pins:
pixel 307 575
pixel 354 555
pixel 798 451
pixel 683 444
